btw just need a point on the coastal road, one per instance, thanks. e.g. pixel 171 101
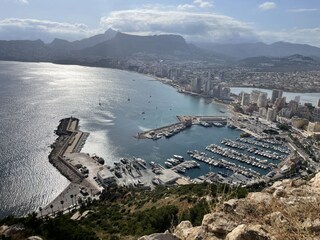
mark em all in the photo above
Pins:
pixel 68 201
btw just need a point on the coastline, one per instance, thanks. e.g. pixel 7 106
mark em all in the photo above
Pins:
pixel 152 76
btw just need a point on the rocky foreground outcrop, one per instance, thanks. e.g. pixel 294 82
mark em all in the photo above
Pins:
pixel 289 209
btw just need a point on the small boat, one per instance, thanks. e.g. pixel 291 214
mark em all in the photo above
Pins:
pixel 167 164
pixel 180 158
pixel 118 174
pixel 181 170
pixel 231 126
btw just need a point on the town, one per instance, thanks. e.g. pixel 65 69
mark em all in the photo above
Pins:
pixel 213 72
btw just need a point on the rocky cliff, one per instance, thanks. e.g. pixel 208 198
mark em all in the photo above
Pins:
pixel 289 209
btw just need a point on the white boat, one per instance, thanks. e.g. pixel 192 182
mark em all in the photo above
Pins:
pixel 167 164
pixel 180 158
pixel 173 161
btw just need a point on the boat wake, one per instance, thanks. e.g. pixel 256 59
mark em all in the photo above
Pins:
pixel 141 128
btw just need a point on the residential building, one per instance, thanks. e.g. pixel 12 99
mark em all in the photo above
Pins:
pixel 245 99
pixel 316 115
pixel 254 96
pixel 271 114
pixel 276 94
pixel 262 112
pixel 262 99
pixel 314 127
pixel 196 85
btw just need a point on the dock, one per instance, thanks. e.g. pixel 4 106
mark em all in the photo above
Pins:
pixel 183 123
pixel 69 140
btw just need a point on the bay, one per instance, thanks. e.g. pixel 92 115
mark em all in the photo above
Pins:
pixel 35 96
pixel 110 105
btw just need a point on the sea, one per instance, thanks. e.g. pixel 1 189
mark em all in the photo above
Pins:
pixel 112 105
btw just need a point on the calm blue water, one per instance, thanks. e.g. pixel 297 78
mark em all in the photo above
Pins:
pixel 35 96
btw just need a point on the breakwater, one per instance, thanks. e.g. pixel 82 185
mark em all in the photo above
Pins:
pixel 70 140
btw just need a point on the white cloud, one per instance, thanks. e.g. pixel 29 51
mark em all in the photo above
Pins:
pixel 185 7
pixel 16 28
pixel 45 25
pixel 24 2
pixel 193 26
pixel 296 35
pixel 203 3
pixel 267 6
pixel 299 10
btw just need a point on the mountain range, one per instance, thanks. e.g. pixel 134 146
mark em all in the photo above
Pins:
pixel 123 45
pixel 114 44
pixel 247 50
pixel 294 62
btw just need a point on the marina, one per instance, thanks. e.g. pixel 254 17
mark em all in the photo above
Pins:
pixel 241 157
pixel 221 163
pixel 184 123
pixel 92 175
pixel 130 172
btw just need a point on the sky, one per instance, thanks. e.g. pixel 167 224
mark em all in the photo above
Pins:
pixel 218 21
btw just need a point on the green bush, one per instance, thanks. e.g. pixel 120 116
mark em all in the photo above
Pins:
pixel 198 211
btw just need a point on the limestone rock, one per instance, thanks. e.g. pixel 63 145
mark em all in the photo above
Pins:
pixel 196 233
pixel 159 236
pixel 299 197
pixel 183 229
pixel 313 226
pixel 259 198
pixel 280 192
pixel 230 205
pixel 276 219
pixel 3 229
pixel 13 229
pixel 248 232
pixel 34 238
pixel 298 183
pixel 298 192
pixel 315 181
pixel 218 223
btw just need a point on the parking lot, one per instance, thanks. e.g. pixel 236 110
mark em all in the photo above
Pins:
pixel 93 167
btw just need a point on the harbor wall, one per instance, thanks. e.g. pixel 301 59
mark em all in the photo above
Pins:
pixel 67 131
